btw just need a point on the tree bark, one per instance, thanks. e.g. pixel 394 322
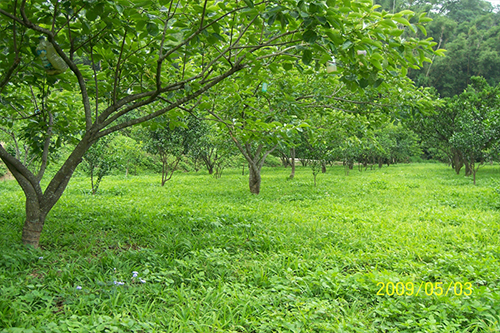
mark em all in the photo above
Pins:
pixel 292 155
pixel 254 178
pixel 33 225
pixel 39 203
pixel 457 161
pixel 468 169
pixel 323 167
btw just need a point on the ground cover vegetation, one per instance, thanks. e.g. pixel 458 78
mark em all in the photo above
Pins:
pixel 201 254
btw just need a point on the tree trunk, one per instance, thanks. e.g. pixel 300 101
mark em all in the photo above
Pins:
pixel 468 169
pixel 323 167
pixel 33 226
pixel 209 163
pixel 254 178
pixel 38 203
pixel 457 161
pixel 163 171
pixel 92 179
pixel 380 163
pixel 284 160
pixel 292 155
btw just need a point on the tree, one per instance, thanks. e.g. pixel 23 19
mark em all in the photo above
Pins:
pixel 133 61
pixel 464 127
pixel 256 131
pixel 171 140
pixel 98 161
pixel 478 123
pixel 214 150
pixel 128 152
pixel 317 150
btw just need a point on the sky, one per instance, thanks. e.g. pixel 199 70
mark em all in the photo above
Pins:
pixel 494 2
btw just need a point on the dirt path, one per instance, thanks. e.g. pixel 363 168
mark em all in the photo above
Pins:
pixel 7 176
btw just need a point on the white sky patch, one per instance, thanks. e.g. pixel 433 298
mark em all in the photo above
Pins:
pixel 494 2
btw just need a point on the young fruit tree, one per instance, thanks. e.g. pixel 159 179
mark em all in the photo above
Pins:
pixel 132 61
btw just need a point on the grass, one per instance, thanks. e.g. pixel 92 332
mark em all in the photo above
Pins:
pixel 211 257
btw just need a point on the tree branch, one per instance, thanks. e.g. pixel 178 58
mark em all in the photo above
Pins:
pixel 17 59
pixel 263 159
pixel 25 177
pixel 172 106
pixel 81 82
pixel 115 85
pixel 46 146
pixel 96 85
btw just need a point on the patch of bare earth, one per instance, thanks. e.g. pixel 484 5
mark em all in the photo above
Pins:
pixel 7 176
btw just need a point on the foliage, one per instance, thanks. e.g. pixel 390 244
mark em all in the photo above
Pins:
pixel 99 160
pixel 171 140
pixel 478 122
pixel 3 169
pixel 465 128
pixel 468 30
pixel 129 152
pixel 297 256
pixel 213 149
pixel 398 144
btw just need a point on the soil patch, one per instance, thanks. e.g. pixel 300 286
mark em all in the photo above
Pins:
pixel 7 176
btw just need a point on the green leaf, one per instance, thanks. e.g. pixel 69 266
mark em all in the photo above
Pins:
pixel 425 19
pixel 404 71
pixel 335 37
pixel 440 52
pixel 376 63
pixel 406 12
pixel 91 15
pixel 152 29
pixel 388 23
pixel 377 56
pixel 310 36
pixel 347 44
pixel 422 29
pixel 307 56
pixel 396 32
pixel 219 37
pixel 249 3
pixel 275 10
pixel 287 66
pixel 401 20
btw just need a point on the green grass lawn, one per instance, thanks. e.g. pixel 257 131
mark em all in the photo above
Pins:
pixel 210 257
